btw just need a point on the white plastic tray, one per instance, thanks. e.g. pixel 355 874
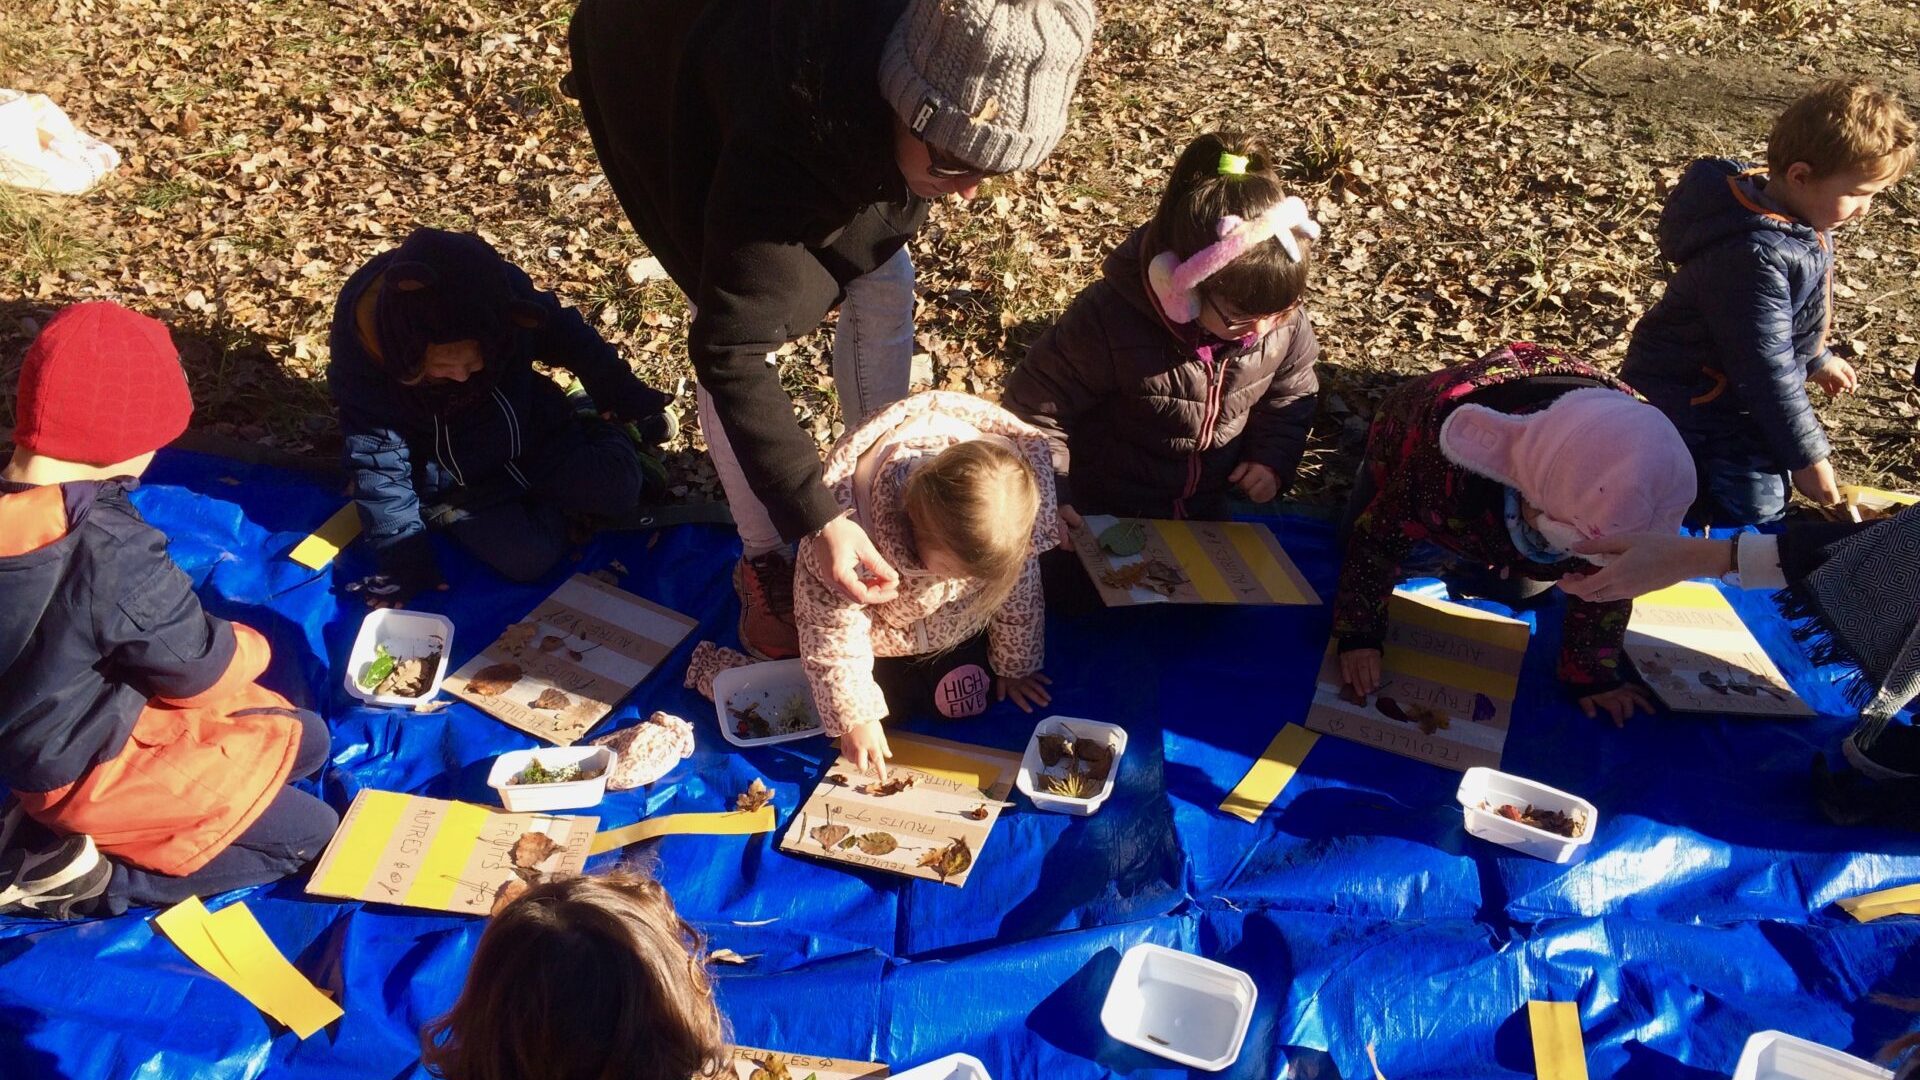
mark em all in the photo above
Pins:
pixel 571 795
pixel 1775 1055
pixel 405 634
pixel 951 1067
pixel 1184 1008
pixel 1482 786
pixel 769 683
pixel 1028 779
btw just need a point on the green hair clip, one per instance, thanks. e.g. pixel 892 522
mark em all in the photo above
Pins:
pixel 1233 164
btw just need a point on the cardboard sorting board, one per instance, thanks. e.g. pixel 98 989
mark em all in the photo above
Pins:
pixel 922 823
pixel 1449 673
pixel 562 669
pixel 442 855
pixel 753 1063
pixel 1192 562
pixel 1691 648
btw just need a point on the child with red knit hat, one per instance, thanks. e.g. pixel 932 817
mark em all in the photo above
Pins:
pixel 145 762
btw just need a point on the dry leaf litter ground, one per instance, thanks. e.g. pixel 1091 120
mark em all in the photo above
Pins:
pixel 1485 170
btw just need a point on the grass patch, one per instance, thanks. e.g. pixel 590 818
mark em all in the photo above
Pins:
pixel 164 195
pixel 37 238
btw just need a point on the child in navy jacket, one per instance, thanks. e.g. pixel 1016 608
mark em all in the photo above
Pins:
pixel 448 424
pixel 1743 327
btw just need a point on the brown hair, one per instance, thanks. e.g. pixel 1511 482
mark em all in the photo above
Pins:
pixel 1263 281
pixel 977 499
pixel 589 978
pixel 1839 125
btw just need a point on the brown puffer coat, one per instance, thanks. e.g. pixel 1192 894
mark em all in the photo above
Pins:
pixel 1147 418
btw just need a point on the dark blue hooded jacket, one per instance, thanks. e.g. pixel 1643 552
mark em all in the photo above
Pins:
pixel 1726 352
pixel 409 445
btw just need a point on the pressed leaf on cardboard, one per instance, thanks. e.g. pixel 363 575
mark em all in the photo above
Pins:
pixel 553 699
pixel 947 861
pixel 494 679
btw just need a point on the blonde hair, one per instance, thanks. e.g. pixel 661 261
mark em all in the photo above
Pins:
pixel 977 500
pixel 589 978
pixel 1839 125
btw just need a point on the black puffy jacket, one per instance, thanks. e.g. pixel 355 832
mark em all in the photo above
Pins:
pixel 1726 352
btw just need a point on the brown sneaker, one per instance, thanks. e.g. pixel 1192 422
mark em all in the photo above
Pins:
pixel 765 585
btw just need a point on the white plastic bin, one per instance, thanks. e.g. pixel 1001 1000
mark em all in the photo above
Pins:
pixel 1491 788
pixel 405 634
pixel 1775 1055
pixel 1028 779
pixel 571 795
pixel 951 1067
pixel 768 684
pixel 1184 1008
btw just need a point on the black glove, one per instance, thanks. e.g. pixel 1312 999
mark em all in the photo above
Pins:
pixel 407 568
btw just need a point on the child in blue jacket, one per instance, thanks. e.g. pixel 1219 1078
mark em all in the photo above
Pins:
pixel 1729 349
pixel 448 425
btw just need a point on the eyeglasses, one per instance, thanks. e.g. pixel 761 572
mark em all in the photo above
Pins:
pixel 1241 326
pixel 944 166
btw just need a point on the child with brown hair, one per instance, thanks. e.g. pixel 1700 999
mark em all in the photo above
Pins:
pixel 1186 371
pixel 1728 351
pixel 957 494
pixel 590 978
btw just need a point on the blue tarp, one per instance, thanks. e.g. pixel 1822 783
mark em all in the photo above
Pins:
pixel 1704 911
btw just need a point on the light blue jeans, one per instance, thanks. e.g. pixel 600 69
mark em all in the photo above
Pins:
pixel 872 369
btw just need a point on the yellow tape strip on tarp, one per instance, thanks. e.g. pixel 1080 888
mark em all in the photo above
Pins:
pixel 729 823
pixel 1559 1052
pixel 326 541
pixel 1899 900
pixel 1271 774
pixel 230 945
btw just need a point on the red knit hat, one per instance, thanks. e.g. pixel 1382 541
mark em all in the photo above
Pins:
pixel 101 384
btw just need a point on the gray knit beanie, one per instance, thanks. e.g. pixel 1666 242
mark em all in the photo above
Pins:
pixel 987 81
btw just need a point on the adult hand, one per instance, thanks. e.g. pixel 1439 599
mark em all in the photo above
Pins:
pixel 1817 482
pixel 1618 703
pixel 1259 483
pixel 1027 691
pixel 1838 377
pixel 856 565
pixel 1645 562
pixel 1360 669
pixel 866 746
pixel 1070 520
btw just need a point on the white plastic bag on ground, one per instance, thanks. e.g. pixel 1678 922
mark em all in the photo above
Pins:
pixel 41 150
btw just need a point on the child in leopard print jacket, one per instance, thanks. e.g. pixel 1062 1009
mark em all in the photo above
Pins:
pixel 958 495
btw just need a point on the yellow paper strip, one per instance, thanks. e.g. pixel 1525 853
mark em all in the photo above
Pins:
pixel 266 977
pixel 1432 668
pixel 447 855
pixel 730 823
pixel 959 768
pixel 1266 569
pixel 1271 774
pixel 231 946
pixel 375 815
pixel 1444 617
pixel 1559 1052
pixel 1206 578
pixel 1899 900
pixel 1697 595
pixel 326 541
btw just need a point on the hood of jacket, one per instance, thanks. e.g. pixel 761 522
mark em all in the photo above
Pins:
pixel 1718 199
pixel 34 523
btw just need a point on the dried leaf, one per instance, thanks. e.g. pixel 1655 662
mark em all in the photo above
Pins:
pixel 757 795
pixel 1053 748
pixel 829 836
pixel 949 861
pixel 552 699
pixel 494 679
pixel 1124 538
pixel 551 642
pixel 516 638
pixel 873 843
pixel 895 786
pixel 771 1069
pixel 532 849
pixel 507 893
pixel 728 956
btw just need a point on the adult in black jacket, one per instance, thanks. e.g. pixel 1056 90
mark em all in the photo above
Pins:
pixel 776 156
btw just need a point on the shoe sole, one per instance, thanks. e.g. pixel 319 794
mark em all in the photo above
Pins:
pixel 1868 767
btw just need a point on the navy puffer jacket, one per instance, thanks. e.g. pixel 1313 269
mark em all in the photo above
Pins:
pixel 1726 352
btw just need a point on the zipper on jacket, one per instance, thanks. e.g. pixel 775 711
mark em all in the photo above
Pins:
pixel 1216 384
pixel 513 438
pixel 447 460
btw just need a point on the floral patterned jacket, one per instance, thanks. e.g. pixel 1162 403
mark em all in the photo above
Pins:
pixel 1419 495
pixel 839 639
